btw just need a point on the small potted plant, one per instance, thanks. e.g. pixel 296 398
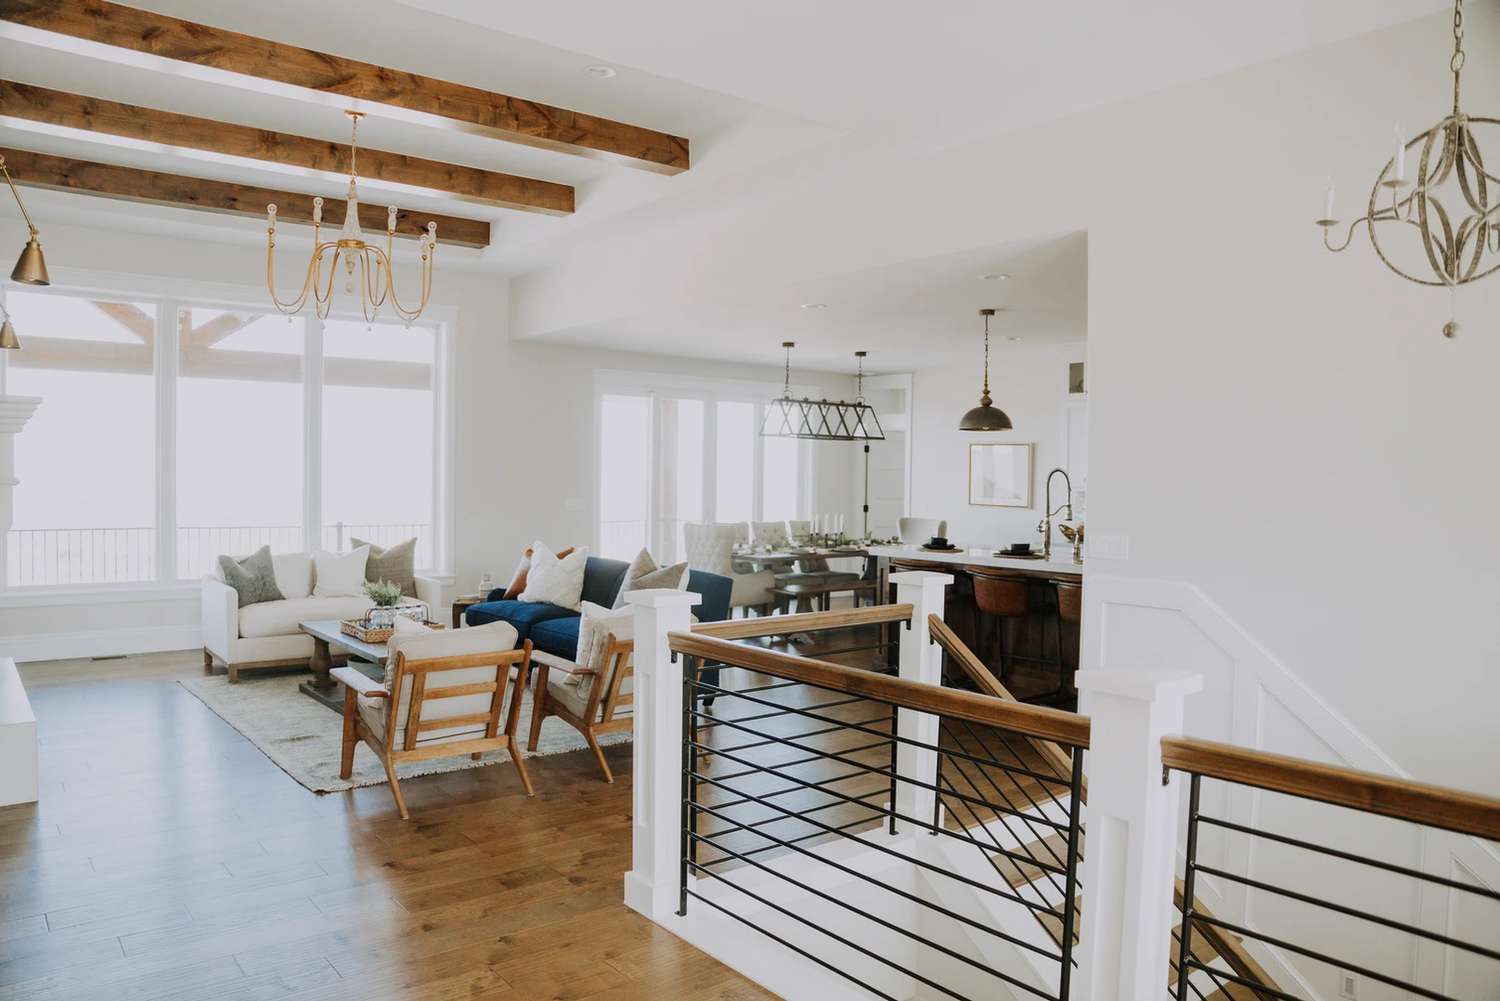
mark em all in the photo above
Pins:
pixel 386 596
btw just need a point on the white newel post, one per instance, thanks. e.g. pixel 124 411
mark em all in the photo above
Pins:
pixel 18 750
pixel 1131 817
pixel 651 885
pixel 921 660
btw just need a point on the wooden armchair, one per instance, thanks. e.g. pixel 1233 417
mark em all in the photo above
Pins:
pixel 589 699
pixel 439 704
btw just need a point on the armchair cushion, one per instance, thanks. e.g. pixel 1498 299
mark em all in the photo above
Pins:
pixel 594 629
pixel 420 643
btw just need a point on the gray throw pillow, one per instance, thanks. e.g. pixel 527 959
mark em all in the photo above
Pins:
pixel 644 573
pixel 396 564
pixel 253 578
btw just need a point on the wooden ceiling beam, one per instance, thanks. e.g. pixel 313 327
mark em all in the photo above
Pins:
pixel 141 126
pixel 273 66
pixel 60 173
pixel 141 324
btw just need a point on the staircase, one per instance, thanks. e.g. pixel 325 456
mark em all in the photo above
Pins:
pixel 1028 866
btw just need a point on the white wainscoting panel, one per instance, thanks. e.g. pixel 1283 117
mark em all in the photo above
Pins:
pixel 101 642
pixel 1253 700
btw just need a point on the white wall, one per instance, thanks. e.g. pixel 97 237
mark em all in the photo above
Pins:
pixel 1281 427
pixel 525 442
pixel 1030 383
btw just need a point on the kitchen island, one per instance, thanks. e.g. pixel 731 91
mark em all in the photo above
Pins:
pixel 1041 652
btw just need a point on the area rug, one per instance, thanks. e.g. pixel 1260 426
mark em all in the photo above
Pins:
pixel 303 738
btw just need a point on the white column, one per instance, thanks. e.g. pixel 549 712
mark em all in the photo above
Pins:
pixel 15 411
pixel 651 885
pixel 1131 817
pixel 921 660
pixel 18 750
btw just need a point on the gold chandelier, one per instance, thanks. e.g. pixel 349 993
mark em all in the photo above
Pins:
pixel 364 263
pixel 1450 172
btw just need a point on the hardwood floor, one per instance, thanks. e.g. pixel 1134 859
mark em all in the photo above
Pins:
pixel 169 859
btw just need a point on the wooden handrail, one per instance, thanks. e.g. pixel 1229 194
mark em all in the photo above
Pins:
pixel 1419 803
pixel 982 676
pixel 803 622
pixel 1033 721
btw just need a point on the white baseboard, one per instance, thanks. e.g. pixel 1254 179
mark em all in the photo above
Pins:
pixel 101 642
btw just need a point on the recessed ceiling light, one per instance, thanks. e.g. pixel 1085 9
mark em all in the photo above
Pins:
pixel 1013 338
pixel 996 276
pixel 601 71
pixel 815 305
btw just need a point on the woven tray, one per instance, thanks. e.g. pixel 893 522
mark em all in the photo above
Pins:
pixel 366 633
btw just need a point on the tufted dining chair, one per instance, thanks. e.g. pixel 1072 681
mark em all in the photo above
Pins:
pixel 915 531
pixel 770 533
pixel 710 547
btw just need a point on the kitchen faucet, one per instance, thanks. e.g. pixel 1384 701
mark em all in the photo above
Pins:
pixel 1045 527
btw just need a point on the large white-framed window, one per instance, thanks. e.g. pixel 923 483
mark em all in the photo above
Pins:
pixel 186 421
pixel 678 449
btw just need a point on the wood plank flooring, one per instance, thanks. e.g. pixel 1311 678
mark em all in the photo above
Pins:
pixel 169 859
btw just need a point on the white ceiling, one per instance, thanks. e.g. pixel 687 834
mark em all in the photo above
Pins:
pixel 766 92
pixel 919 314
pixel 858 65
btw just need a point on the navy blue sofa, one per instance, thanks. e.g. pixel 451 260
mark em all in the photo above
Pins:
pixel 555 629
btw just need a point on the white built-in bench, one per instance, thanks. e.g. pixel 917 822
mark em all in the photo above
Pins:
pixel 18 774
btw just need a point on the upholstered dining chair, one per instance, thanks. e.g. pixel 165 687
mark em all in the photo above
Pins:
pixel 710 548
pixel 915 531
pixel 443 696
pixel 769 533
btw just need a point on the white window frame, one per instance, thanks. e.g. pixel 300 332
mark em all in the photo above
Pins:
pixel 654 385
pixel 167 295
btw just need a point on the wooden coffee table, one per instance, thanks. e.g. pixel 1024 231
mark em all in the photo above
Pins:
pixel 368 658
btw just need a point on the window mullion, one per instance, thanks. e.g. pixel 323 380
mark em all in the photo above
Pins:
pixel 710 459
pixel 165 363
pixel 312 440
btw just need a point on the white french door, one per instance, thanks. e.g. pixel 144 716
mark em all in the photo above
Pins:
pixel 673 452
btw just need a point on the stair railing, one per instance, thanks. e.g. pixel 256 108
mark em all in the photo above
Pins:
pixel 1367 945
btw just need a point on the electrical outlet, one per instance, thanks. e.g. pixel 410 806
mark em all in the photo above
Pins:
pixel 1348 985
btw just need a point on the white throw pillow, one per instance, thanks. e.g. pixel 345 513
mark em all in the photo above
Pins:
pixel 339 575
pixel 556 581
pixel 594 627
pixel 293 574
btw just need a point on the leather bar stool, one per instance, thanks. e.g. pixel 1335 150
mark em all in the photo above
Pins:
pixel 998 596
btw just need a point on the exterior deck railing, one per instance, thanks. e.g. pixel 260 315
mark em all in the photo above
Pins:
pixel 70 557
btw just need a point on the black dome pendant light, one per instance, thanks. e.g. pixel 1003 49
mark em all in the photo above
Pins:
pixel 985 417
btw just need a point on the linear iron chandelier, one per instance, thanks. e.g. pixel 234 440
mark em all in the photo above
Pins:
pixel 1451 179
pixel 363 262
pixel 821 420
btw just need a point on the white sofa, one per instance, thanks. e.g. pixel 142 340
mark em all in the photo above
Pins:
pixel 266 634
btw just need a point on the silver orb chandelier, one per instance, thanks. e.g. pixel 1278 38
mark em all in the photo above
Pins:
pixel 1452 205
